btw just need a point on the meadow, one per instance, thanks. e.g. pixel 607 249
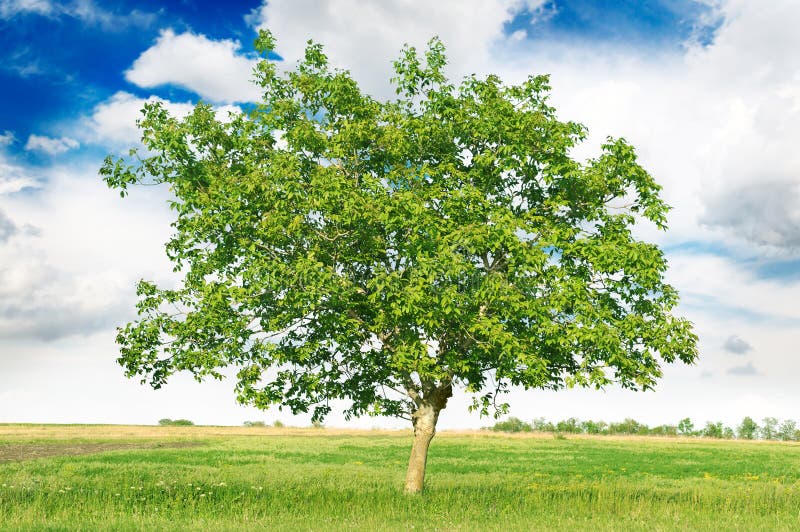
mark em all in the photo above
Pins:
pixel 229 478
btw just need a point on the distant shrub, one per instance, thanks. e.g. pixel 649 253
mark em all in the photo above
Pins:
pixel 278 424
pixel 167 422
pixel 540 424
pixel 713 430
pixel 748 429
pixel 628 426
pixel 686 427
pixel 664 430
pixel 570 426
pixel 788 430
pixel 769 428
pixel 317 424
pixel 512 424
pixel 254 424
pixel 594 427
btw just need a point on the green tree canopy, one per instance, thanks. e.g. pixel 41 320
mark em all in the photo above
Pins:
pixel 769 428
pixel 337 247
pixel 748 429
pixel 686 427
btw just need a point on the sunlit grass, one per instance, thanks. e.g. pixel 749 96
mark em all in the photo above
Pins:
pixel 324 480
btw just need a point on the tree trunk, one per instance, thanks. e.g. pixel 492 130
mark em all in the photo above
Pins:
pixel 424 420
pixel 424 428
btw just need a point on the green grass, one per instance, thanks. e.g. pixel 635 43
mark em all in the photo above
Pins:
pixel 331 481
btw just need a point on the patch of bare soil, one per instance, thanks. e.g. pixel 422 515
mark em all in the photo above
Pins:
pixel 16 452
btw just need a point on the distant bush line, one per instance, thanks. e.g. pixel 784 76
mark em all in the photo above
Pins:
pixel 278 424
pixel 770 429
pixel 167 422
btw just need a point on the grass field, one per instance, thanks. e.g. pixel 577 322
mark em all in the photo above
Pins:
pixel 216 478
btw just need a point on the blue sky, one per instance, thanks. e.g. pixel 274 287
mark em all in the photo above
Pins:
pixel 653 24
pixel 62 63
pixel 59 64
pixel 708 91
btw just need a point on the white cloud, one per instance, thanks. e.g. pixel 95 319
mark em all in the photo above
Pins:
pixel 10 182
pixel 366 37
pixel 542 11
pixel 215 70
pixel 13 177
pixel 49 145
pixel 765 213
pixel 84 10
pixel 39 301
pixel 737 346
pixel 113 122
pixel 7 228
pixel 76 273
pixel 10 8
pixel 747 370
pixel 707 282
pixel 91 13
pixel 518 36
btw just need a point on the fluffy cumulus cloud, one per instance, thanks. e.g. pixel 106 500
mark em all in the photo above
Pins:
pixel 113 122
pixel 68 270
pixel 469 28
pixel 752 85
pixel 49 145
pixel 37 301
pixel 764 212
pixel 65 269
pixel 215 70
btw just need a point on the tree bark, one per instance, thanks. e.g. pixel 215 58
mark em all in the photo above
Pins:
pixel 424 429
pixel 424 420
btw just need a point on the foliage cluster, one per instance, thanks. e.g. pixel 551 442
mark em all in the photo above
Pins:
pixel 337 247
